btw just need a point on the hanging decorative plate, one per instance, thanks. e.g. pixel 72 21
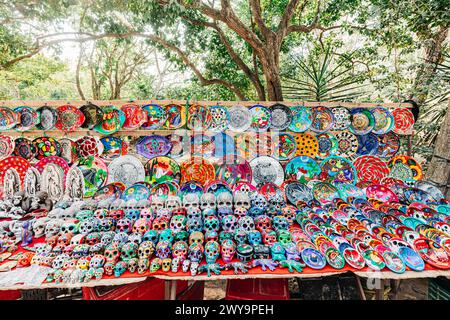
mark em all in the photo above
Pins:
pixel 233 169
pixel 197 169
pixel 328 144
pixel 417 195
pixel 302 169
pixel 7 146
pixel 8 118
pixel 334 258
pixel 120 185
pixel 432 253
pixel 108 191
pixel 248 145
pixel 399 165
pixel 220 118
pixel 202 145
pixel 240 118
pixel 68 150
pixel 381 193
pixel 18 163
pixel 46 147
pixel 403 121
pixel 217 187
pixel 93 115
pixel 162 169
pixel 362 121
pixel 199 117
pixel 411 258
pixel 70 118
pixel 371 168
pixel 223 145
pixel 341 118
pixel 27 118
pixel 388 145
pixel 367 144
pixel 384 120
pixel 89 146
pixel 394 262
pixel 57 161
pixel 337 169
pixel 354 258
pixel 135 116
pixel 47 118
pixel 136 192
pixel 261 118
pixel 325 192
pixel 95 173
pixel 190 187
pixel 244 186
pixel 313 258
pixel 428 187
pixel 301 119
pixel 113 120
pixel 156 117
pixel 165 189
pixel 270 189
pixel 374 259
pixel 347 144
pixel 176 116
pixel 349 190
pixel 281 117
pixel 153 146
pixel 307 145
pixel 178 145
pixel 127 169
pixel 24 148
pixel 323 119
pixel 284 146
pixel 266 169
pixel 113 147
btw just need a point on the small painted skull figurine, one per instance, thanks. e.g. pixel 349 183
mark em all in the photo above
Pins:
pixel 276 203
pixel 166 264
pixel 185 265
pixel 240 212
pixel 280 223
pixel 240 236
pixel 208 201
pixel 284 237
pixel 241 199
pixel 257 200
pixel 194 213
pixel 228 250
pixel 160 223
pixel 211 251
pixel 151 235
pixel 156 264
pixel 120 268
pixel 163 249
pixel 211 223
pixel 175 265
pixel 254 237
pixel 143 265
pixel 146 249
pixel 157 203
pixel 97 261
pixel 191 200
pixel 229 223
pixel 263 223
pixel 141 226
pixel 39 226
pixel 172 203
pixel 166 235
pixel 132 264
pixel 225 200
pixel 147 213
pixel 246 224
pixel 196 237
pixel 269 237
pixel 112 253
pixel 180 250
pixel 124 225
pixel 128 251
pixel 178 223
pixel 194 224
pixel 289 212
pixel 196 251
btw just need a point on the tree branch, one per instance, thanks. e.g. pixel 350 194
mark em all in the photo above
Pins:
pixel 287 16
pixel 255 7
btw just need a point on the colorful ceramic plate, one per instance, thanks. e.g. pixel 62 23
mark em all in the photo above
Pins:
pixel 220 118
pixel 394 262
pixel 8 118
pixel 113 147
pixel 302 169
pixel 108 191
pixel 240 119
pixel 307 145
pixel 156 117
pixel 126 169
pixel 334 258
pixel 223 145
pixel 216 187
pixel 381 193
pixel 341 118
pixel 313 258
pixel 367 144
pixel 266 169
pixel 58 161
pixel 69 119
pixel 362 120
pixel 112 121
pixel 136 192
pixel 197 169
pixel 18 163
pixel 301 119
pixel 411 258
pixel 371 168
pixel 325 192
pixel 178 146
pixel 328 145
pixel 199 117
pixel 281 117
pixel 162 169
pixel 68 150
pixel 430 188
pixel 93 115
pixel 95 173
pixel 432 253
pixel 374 259
pixel 337 169
pixel 232 169
pixel 24 148
pixel 46 147
pixel 403 121
pixel 388 145
pixel 405 168
pixel 7 146
pixel 417 195
pixel 165 189
pixel 47 118
pixel 384 120
pixel 284 146
pixel 176 116
pixel 135 116
pixel 27 118
pixel 323 119
pixel 347 144
pixel 261 118
pixel 190 187
pixel 89 146
pixel 153 146
pixel 348 190
pixel 296 191
pixel 354 258
pixel 202 145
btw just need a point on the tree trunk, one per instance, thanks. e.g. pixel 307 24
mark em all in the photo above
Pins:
pixel 270 61
pixel 439 169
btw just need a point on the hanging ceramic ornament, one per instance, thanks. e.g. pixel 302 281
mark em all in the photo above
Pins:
pixel 403 121
pixel 266 169
pixel 156 117
pixel 27 118
pixel 388 145
pixel 362 121
pixel 307 145
pixel 113 147
pixel 302 169
pixel 301 119
pixel 24 148
pixel 384 120
pixel 153 146
pixel 284 146
pixel 47 118
pixel 112 121
pixel 46 147
pixel 199 117
pixel 135 116
pixel 8 118
pixel 176 116
pixel 323 119
pixel 240 118
pixel 95 173
pixel 371 168
pixel 232 169
pixel 7 146
pixel 328 145
pixel 337 169
pixel 261 118
pixel 69 119
pixel 281 117
pixel 162 169
pixel 219 118
pixel 347 144
pixel 341 118
pixel 93 115
pixel 197 169
pixel 367 144
pixel 126 169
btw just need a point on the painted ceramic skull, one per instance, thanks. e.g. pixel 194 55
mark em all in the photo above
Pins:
pixel 284 237
pixel 124 225
pixel 148 213
pixel 196 252
pixel 208 201
pixel 254 237
pixel 280 223
pixel 228 250
pixel 59 261
pixel 211 223
pixel 185 265
pixel 241 199
pixel 163 249
pixel 269 237
pixel 263 223
pixel 151 235
pixel 143 265
pixel 120 268
pixel 97 261
pixel 141 226
pixel 194 213
pixel 211 251
pixel 128 250
pixel 246 224
pixel 173 202
pixel 135 238
pixel 157 203
pixel 112 253
pixel 132 264
pixel 225 200
pixel 180 250
pixel 161 223
pixel 70 226
pixel 240 212
pixel 259 201
pixel 39 227
pixel 146 250
pixel 196 237
pixel 87 226
pixel 194 224
pixel 178 223
pixel 229 223
pixel 166 235
pixel 191 200
pixel 289 212
pixel 276 203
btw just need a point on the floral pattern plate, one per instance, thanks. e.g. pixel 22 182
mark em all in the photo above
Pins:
pixel 176 116
pixel 69 119
pixel 328 145
pixel 197 169
pixel 153 146
pixel 199 117
pixel 219 118
pixel 347 144
pixel 337 169
pixel 233 169
pixel 362 121
pixel 284 146
pixel 307 145
pixel 47 147
pixel 301 119
pixel 341 118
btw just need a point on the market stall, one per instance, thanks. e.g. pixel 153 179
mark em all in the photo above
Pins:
pixel 112 192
